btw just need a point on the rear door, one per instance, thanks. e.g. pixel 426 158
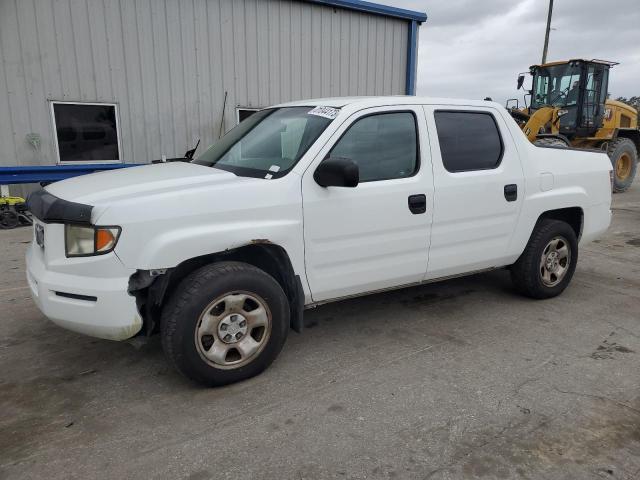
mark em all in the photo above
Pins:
pixel 479 185
pixel 375 235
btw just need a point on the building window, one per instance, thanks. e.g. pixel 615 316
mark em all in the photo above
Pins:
pixel 468 140
pixel 86 132
pixel 245 112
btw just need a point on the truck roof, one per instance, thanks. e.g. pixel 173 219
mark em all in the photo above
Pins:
pixel 364 102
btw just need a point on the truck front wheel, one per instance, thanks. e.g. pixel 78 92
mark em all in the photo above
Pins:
pixel 224 323
pixel 547 264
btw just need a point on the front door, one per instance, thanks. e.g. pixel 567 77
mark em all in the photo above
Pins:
pixel 376 235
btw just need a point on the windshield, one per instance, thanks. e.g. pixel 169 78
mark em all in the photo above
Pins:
pixel 270 142
pixel 557 85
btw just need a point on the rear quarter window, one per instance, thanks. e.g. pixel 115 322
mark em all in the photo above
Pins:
pixel 469 140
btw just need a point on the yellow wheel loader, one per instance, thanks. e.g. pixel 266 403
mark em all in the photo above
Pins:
pixel 569 108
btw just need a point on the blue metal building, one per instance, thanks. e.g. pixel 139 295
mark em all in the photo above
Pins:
pixel 87 84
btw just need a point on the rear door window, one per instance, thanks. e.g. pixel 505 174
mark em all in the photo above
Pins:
pixel 468 140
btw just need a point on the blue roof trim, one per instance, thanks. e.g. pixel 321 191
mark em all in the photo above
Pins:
pixel 376 8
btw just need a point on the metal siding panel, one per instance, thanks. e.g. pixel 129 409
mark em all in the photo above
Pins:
pixel 99 51
pixel 176 98
pixel 8 153
pixel 344 53
pixel 239 43
pixel 148 76
pixel 36 104
pixel 274 54
pixel 82 43
pixel 66 50
pixel 205 87
pixel 296 51
pixel 388 57
pixel 189 75
pixel 401 52
pixel 133 68
pixel 325 53
pixel 51 68
pixel 167 141
pixel 354 58
pixel 399 58
pixel 216 67
pixel 363 58
pixel 51 72
pixel 15 81
pixel 371 54
pixel 122 89
pixel 335 68
pixel 306 43
pixel 316 51
pixel 262 35
pixel 285 50
pixel 379 53
pixel 227 48
pixel 251 45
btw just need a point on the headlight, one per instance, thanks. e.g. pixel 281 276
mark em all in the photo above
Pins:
pixel 85 241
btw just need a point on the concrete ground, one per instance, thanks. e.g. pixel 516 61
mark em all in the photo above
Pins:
pixel 462 379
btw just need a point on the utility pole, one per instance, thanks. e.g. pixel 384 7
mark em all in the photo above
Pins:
pixel 546 36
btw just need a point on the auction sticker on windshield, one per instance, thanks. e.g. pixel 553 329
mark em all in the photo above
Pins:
pixel 326 112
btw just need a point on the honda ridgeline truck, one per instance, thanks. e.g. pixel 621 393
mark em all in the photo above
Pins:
pixel 302 204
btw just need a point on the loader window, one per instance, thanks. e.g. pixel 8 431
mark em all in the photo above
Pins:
pixel 468 140
pixel 556 85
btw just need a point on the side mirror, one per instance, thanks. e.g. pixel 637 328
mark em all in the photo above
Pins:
pixel 337 172
pixel 520 81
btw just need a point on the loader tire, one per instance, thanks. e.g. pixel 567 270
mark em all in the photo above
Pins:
pixel 550 142
pixel 624 159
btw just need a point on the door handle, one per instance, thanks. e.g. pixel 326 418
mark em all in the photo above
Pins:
pixel 511 192
pixel 418 203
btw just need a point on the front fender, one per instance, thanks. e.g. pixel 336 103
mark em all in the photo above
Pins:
pixel 172 247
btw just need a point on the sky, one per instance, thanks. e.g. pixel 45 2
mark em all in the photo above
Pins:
pixel 476 48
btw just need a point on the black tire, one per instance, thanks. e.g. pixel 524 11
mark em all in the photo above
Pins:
pixel 550 142
pixel 527 274
pixel 623 150
pixel 9 219
pixel 195 294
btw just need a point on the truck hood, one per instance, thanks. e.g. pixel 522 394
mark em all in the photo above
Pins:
pixel 104 188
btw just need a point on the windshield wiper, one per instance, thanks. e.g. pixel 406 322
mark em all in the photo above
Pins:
pixel 188 156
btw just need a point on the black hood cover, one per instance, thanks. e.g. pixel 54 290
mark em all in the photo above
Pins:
pixel 51 209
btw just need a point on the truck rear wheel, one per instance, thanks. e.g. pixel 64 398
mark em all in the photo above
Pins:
pixel 225 322
pixel 624 158
pixel 546 266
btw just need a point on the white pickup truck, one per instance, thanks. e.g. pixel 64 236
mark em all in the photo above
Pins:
pixel 306 203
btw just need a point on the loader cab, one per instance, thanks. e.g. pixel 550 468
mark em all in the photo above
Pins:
pixel 578 88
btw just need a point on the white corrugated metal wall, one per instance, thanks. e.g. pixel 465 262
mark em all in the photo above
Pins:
pixel 168 63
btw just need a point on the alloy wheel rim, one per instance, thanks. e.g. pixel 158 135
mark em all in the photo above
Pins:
pixel 233 329
pixel 555 261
